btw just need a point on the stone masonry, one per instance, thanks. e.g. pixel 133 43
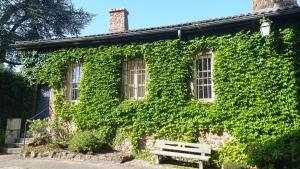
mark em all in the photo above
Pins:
pixel 216 140
pixel 118 21
pixel 270 5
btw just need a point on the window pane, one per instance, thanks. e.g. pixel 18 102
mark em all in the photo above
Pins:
pixel 200 94
pixel 140 65
pixel 130 65
pixel 141 91
pixel 76 76
pixel 141 77
pixel 205 95
pixel 131 92
pixel 209 81
pixel 199 63
pixel 204 61
pixel 209 63
pixel 131 77
pixel 203 81
pixel 136 78
pixel 209 92
pixel 200 74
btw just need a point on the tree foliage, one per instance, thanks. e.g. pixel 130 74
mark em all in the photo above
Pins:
pixel 16 96
pixel 22 20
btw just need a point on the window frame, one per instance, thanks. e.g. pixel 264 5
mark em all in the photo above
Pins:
pixel 71 83
pixel 201 55
pixel 135 85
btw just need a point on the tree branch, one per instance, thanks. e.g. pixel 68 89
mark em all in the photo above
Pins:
pixel 7 14
pixel 18 24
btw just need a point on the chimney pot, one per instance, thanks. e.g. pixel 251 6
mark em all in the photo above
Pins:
pixel 118 21
pixel 272 5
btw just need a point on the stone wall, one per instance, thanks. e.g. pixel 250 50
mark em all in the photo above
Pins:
pixel 268 5
pixel 216 140
pixel 119 157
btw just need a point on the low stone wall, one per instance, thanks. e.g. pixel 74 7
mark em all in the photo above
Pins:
pixel 216 140
pixel 124 150
pixel 65 155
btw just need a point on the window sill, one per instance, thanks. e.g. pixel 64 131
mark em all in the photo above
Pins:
pixel 206 100
pixel 74 101
pixel 135 99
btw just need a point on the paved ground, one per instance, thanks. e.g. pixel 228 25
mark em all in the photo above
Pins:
pixel 14 162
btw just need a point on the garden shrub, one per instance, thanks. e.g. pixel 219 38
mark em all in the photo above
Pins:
pixel 38 130
pixel 234 165
pixel 60 130
pixel 233 154
pixel 121 135
pixel 277 153
pixel 86 141
pixel 16 96
pixel 56 131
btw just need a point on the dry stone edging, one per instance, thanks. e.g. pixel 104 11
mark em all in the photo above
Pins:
pixel 118 157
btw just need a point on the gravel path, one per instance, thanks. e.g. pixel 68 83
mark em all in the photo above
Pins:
pixel 14 162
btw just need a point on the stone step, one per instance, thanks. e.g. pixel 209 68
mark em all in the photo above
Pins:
pixel 21 140
pixel 14 145
pixel 11 150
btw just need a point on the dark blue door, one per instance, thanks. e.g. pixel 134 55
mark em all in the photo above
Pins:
pixel 43 98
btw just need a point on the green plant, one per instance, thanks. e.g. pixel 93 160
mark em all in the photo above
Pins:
pixel 234 165
pixel 60 130
pixel 233 153
pixel 56 131
pixel 121 135
pixel 85 141
pixel 59 144
pixel 39 131
pixel 275 152
pixel 144 155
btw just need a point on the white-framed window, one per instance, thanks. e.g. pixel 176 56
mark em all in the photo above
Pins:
pixel 134 79
pixel 203 82
pixel 76 73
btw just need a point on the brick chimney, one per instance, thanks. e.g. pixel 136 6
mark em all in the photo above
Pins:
pixel 271 5
pixel 118 20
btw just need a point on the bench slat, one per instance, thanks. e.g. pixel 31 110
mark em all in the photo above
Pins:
pixel 187 147
pixel 184 149
pixel 174 154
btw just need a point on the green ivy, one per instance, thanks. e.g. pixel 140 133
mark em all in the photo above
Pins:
pixel 255 85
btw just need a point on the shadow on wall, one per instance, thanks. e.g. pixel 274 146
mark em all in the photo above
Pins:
pixel 277 153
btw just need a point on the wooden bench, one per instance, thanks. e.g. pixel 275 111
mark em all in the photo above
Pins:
pixel 199 152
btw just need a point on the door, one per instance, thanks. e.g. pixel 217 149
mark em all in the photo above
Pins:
pixel 43 99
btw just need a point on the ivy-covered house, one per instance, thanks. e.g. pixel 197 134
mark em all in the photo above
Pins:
pixel 232 79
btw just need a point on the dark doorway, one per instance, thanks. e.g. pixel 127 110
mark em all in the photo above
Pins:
pixel 43 98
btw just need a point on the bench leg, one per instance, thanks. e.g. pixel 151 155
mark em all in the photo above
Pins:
pixel 157 159
pixel 200 164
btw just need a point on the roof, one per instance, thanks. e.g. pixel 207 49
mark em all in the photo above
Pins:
pixel 139 34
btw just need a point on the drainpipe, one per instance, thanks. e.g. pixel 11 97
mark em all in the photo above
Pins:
pixel 179 34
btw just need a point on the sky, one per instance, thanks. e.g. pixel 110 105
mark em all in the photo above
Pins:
pixel 151 13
